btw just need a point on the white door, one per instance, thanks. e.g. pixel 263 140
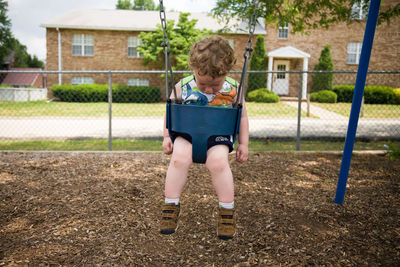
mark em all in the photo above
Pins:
pixel 281 80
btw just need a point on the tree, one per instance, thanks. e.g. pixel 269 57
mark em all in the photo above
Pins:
pixel 22 59
pixel 5 31
pixel 302 15
pixel 258 62
pixel 136 5
pixel 180 39
pixel 124 4
pixel 323 81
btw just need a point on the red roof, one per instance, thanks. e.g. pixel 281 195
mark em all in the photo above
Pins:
pixel 27 79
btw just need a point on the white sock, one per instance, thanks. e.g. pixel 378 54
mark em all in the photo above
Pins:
pixel 172 200
pixel 228 206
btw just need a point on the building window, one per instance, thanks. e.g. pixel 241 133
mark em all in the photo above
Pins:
pixel 138 82
pixel 133 43
pixel 283 31
pixel 82 45
pixel 82 80
pixel 359 10
pixel 353 53
pixel 281 75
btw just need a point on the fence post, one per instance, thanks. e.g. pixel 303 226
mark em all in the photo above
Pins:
pixel 109 111
pixel 299 111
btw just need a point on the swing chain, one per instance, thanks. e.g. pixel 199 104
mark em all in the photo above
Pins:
pixel 247 52
pixel 166 49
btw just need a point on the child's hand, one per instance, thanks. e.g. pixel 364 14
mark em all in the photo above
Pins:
pixel 242 153
pixel 167 145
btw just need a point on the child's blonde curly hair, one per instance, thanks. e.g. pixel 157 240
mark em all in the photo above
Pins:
pixel 212 56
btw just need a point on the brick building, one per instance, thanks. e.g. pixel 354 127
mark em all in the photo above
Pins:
pixel 107 40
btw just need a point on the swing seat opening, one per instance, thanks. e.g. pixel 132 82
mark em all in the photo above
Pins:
pixel 201 122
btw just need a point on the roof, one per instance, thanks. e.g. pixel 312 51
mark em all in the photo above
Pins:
pixel 18 78
pixel 289 52
pixel 132 20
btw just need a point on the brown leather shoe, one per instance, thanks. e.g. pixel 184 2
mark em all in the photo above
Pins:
pixel 169 219
pixel 226 223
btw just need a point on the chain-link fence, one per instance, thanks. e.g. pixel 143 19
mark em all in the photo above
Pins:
pixel 131 104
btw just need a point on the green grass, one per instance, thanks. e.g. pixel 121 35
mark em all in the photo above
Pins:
pixel 156 145
pixel 370 110
pixel 43 108
pixel 270 110
pixel 63 109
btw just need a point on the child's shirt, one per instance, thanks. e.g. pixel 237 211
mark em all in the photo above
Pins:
pixel 191 94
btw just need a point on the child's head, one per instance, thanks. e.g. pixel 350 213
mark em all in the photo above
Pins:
pixel 212 56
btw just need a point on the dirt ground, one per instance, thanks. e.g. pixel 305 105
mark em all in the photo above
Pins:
pixel 89 208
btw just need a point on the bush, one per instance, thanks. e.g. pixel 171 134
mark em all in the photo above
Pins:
pixel 99 93
pixel 344 93
pixel 372 94
pixel 258 62
pixel 323 81
pixel 263 95
pixel 324 96
pixel 136 94
pixel 379 95
pixel 397 96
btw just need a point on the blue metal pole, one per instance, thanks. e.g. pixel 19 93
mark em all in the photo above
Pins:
pixel 357 97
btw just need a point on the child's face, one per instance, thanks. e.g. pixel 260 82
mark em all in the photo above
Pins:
pixel 208 84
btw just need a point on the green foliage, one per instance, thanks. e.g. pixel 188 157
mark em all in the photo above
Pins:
pixel 5 32
pixel 344 93
pixel 394 151
pixel 21 57
pixel 136 5
pixel 180 38
pixel 301 15
pixel 379 95
pixel 258 62
pixel 324 96
pixel 323 81
pixel 99 93
pixel 372 94
pixel 397 96
pixel 263 95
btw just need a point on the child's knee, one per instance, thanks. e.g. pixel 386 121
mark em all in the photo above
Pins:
pixel 217 161
pixel 181 160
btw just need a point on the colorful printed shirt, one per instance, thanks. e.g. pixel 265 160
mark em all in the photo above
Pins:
pixel 191 94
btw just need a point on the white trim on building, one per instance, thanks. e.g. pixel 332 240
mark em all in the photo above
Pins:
pixel 288 52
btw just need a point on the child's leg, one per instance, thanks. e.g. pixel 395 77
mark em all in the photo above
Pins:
pixel 178 168
pixel 218 165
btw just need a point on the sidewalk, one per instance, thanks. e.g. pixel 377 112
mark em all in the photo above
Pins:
pixel 316 111
pixel 151 127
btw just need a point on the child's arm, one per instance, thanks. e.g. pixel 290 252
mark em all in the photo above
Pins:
pixel 242 151
pixel 167 142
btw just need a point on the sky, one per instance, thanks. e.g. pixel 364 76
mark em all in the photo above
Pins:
pixel 27 15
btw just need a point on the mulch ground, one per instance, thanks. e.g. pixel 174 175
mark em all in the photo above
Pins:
pixel 104 209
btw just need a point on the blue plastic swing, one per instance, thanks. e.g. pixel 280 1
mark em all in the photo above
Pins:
pixel 208 120
pixel 218 121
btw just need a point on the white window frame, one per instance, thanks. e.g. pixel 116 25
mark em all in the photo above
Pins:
pixel 357 11
pixel 75 80
pixel 133 43
pixel 138 82
pixel 353 53
pixel 82 45
pixel 283 32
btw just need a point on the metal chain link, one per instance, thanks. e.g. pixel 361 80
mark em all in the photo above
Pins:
pixel 247 54
pixel 167 50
